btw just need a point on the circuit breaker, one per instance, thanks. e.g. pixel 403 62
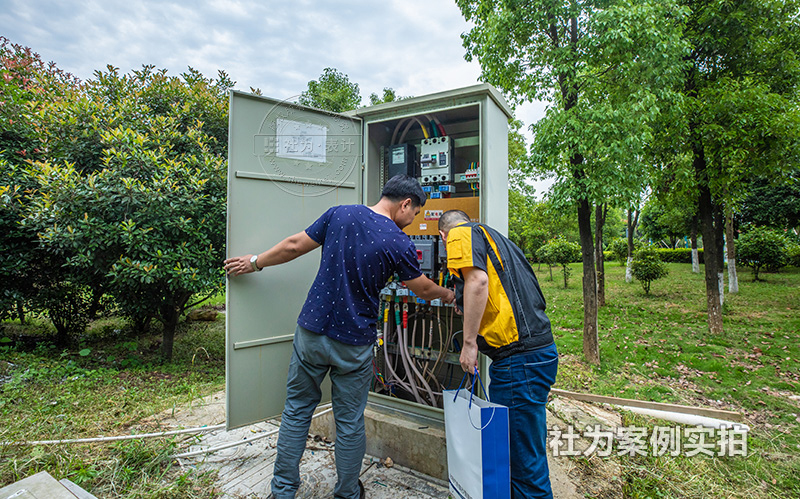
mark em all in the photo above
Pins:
pixel 436 160
pixel 293 163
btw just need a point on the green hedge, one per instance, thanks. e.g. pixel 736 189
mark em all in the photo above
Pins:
pixel 679 255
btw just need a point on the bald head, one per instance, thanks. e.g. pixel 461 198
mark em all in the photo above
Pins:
pixel 450 219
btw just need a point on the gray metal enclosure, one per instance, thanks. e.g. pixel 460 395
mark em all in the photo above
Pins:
pixel 287 164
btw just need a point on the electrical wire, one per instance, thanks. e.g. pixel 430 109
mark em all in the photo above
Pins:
pixel 211 450
pixel 200 429
pixel 408 127
pixel 394 378
pixel 413 363
pixel 397 129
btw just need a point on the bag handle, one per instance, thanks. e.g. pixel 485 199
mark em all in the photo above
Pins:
pixel 472 394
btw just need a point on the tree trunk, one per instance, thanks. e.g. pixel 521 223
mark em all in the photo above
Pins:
pixel 170 321
pixel 719 229
pixel 591 347
pixel 706 215
pixel 706 210
pixel 21 312
pixel 170 315
pixel 94 306
pixel 632 222
pixel 695 255
pixel 733 278
pixel 600 212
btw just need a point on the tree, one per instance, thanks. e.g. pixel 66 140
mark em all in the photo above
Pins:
pixel 605 68
pixel 740 119
pixel 28 86
pixel 773 202
pixel 663 223
pixel 151 222
pixel 332 92
pixel 762 247
pixel 648 267
pixel 562 252
pixel 389 95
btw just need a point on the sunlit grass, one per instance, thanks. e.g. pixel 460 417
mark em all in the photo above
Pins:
pixel 657 347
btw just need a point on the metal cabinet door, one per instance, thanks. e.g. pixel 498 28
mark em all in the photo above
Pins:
pixel 287 164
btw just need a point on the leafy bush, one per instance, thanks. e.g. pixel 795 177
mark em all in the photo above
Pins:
pixel 562 252
pixel 762 247
pixel 648 267
pixel 793 255
pixel 110 187
pixel 619 247
pixel 679 255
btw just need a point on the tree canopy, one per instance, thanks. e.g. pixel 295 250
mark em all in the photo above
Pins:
pixel 113 186
pixel 333 91
pixel 608 69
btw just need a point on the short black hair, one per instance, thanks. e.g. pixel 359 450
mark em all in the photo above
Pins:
pixel 451 218
pixel 402 187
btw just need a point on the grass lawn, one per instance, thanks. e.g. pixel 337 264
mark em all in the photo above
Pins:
pixel 48 394
pixel 654 347
pixel 658 348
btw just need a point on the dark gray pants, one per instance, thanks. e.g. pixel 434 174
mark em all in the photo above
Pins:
pixel 350 370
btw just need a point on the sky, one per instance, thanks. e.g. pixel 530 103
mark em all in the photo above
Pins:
pixel 278 46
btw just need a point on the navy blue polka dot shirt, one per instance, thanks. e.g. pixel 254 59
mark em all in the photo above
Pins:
pixel 360 251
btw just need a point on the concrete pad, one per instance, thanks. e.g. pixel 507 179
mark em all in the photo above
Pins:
pixel 38 486
pixel 410 442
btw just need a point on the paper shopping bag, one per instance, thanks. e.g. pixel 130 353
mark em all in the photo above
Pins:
pixel 478 459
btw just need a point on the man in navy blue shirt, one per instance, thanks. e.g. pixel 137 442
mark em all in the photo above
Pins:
pixel 362 247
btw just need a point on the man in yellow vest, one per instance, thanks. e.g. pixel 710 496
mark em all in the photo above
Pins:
pixel 504 318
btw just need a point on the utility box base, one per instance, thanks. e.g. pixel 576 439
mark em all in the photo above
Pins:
pixel 413 442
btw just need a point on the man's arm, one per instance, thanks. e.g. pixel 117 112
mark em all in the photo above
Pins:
pixel 476 293
pixel 429 290
pixel 286 250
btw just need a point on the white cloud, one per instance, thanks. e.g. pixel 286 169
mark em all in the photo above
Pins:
pixel 413 46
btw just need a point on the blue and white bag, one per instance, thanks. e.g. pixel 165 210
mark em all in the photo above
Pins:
pixel 478 459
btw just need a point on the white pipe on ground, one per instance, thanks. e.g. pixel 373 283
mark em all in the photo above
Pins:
pixel 211 450
pixel 687 419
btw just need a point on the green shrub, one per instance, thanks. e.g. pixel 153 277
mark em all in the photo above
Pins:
pixel 619 247
pixel 562 252
pixel 648 267
pixel 793 255
pixel 679 255
pixel 762 247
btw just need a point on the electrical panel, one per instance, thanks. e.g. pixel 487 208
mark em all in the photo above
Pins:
pixel 455 143
pixel 461 148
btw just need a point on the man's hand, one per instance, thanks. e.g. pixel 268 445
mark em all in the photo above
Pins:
pixel 429 290
pixel 285 251
pixel 476 294
pixel 238 265
pixel 469 357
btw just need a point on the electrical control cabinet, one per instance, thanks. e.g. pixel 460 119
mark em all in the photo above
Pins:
pixel 288 164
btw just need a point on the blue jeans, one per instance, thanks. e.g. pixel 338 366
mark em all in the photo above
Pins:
pixel 351 372
pixel 522 382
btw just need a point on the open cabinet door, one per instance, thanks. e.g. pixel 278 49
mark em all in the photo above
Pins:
pixel 287 164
